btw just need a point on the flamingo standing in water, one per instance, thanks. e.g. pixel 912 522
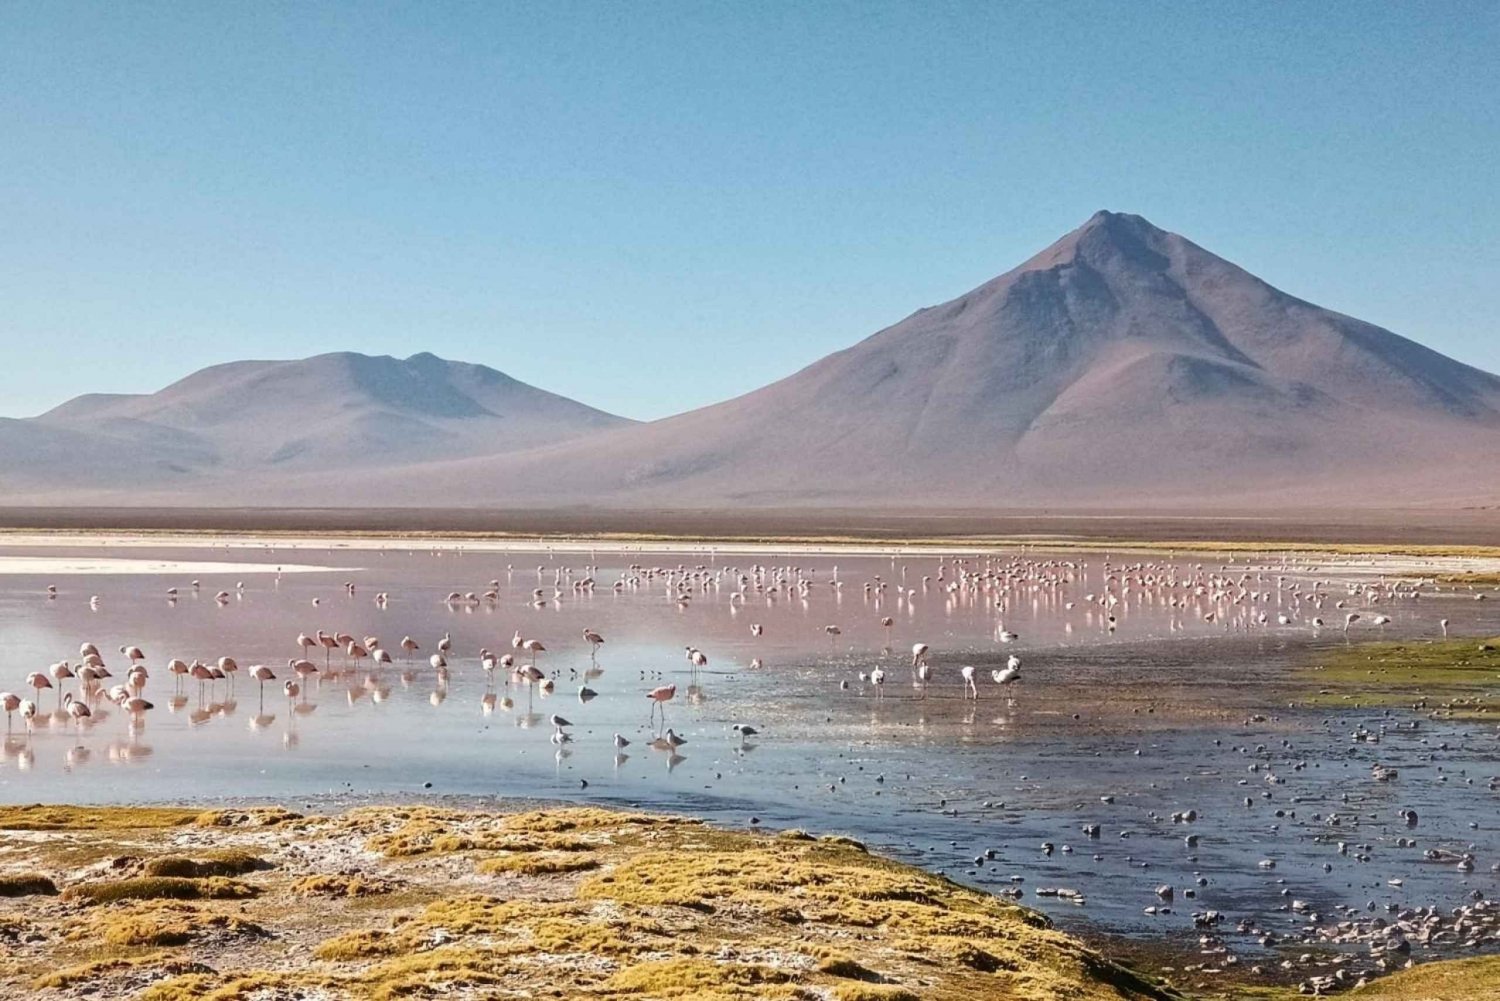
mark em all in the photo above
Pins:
pixel 329 643
pixel 877 678
pixel 595 641
pixel 229 666
pixel 533 647
pixel 1010 673
pixel 971 690
pixel 924 675
pixel 303 669
pixel 659 698
pixel 38 681
pixel 77 710
pixel 10 702
pixel 200 672
pixel 262 674
pixel 60 672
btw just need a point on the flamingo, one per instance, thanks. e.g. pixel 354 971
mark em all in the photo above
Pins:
pixel 595 641
pixel 971 691
pixel 177 668
pixel 328 643
pixel 61 672
pixel 229 666
pixel 201 673
pixel 409 646
pixel 445 644
pixel 28 713
pixel 659 697
pixel 877 678
pixel 262 674
pixel 918 654
pixel 38 681
pixel 303 669
pixel 77 710
pixel 534 647
pixel 133 704
pixel 132 653
pixel 10 702
pixel 291 689
pixel 924 675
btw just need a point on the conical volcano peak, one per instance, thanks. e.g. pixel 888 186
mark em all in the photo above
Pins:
pixel 1106 238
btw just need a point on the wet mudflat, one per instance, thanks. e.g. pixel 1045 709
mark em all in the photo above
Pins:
pixel 1154 771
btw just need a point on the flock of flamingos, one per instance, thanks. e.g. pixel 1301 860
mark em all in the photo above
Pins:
pixel 1241 600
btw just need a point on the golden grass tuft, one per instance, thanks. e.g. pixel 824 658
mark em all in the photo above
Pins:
pixel 339 886
pixel 91 818
pixel 837 964
pixel 260 816
pixel 357 945
pixel 224 863
pixel 587 818
pixel 27 884
pixel 537 864
pixel 1453 980
pixel 873 992
pixel 160 888
pixel 672 978
pixel 87 973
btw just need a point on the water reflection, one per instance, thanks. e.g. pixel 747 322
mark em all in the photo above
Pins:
pixel 1132 706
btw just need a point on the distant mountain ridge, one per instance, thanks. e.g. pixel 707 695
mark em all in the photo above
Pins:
pixel 332 411
pixel 1123 365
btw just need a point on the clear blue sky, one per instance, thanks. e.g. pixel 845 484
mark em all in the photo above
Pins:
pixel 651 206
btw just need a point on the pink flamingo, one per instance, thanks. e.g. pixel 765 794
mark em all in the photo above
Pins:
pixel 659 698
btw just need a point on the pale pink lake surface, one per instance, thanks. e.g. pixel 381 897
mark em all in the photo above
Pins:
pixel 1173 712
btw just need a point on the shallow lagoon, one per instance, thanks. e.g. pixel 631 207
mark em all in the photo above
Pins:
pixel 1166 712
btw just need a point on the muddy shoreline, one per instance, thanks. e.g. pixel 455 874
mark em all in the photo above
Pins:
pixel 1374 526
